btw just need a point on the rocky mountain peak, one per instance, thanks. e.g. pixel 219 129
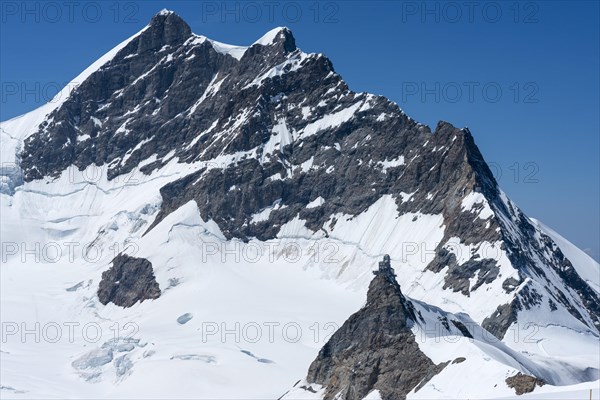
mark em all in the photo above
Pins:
pixel 165 29
pixel 384 291
pixel 273 47
pixel 280 36
pixel 375 349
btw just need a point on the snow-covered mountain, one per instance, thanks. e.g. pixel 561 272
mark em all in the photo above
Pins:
pixel 214 212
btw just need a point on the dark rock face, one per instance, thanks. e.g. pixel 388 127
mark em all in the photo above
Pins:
pixel 523 383
pixel 374 349
pixel 539 259
pixel 458 277
pixel 462 328
pixel 280 126
pixel 510 284
pixel 166 29
pixel 128 281
pixel 119 110
pixel 506 314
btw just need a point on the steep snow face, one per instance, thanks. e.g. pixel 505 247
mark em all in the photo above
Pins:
pixel 269 37
pixel 585 265
pixel 493 360
pixel 262 190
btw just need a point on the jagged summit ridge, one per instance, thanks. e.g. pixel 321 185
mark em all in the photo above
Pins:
pixel 167 28
pixel 169 97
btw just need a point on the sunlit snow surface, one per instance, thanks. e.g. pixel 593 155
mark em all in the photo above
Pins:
pixel 585 265
pixel 276 303
pixel 257 313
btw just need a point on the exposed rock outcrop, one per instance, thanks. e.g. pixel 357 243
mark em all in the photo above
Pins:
pixel 375 348
pixel 128 281
pixel 523 383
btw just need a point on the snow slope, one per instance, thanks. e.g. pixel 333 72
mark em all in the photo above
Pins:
pixel 236 295
pixel 585 265
pixel 230 288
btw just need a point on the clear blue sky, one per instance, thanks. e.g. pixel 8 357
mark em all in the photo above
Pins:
pixel 523 76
